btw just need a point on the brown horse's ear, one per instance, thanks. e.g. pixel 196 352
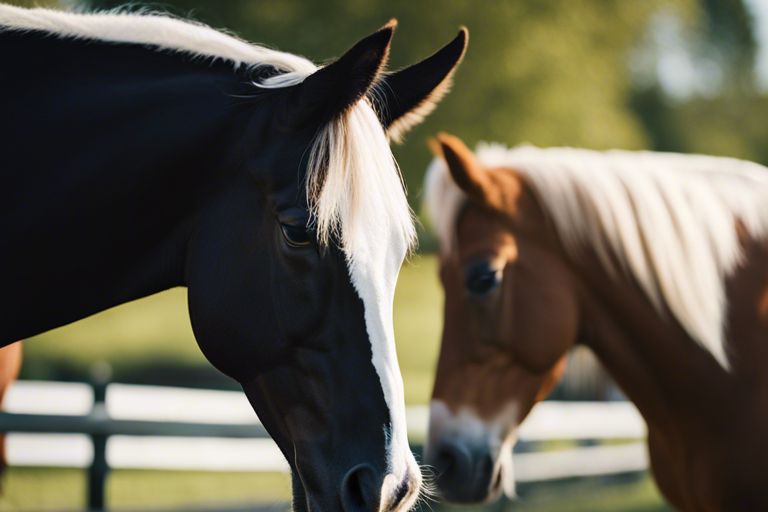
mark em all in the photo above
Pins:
pixel 334 88
pixel 466 171
pixel 434 147
pixel 404 98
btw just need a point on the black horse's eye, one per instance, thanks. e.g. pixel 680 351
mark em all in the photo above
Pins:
pixel 296 235
pixel 482 278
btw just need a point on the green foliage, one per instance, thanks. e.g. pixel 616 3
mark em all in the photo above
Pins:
pixel 729 38
pixel 726 125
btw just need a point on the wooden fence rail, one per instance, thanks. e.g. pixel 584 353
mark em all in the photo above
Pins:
pixel 582 422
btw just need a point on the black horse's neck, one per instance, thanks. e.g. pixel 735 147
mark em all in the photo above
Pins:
pixel 108 154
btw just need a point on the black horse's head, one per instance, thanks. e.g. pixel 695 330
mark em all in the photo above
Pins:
pixel 292 268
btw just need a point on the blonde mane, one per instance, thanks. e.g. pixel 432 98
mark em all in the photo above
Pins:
pixel 669 220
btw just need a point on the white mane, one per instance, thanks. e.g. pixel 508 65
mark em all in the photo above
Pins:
pixel 160 31
pixel 668 219
pixel 362 184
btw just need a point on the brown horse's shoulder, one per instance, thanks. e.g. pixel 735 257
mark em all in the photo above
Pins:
pixel 711 465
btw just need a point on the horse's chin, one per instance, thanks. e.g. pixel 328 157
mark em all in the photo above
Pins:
pixel 310 500
pixel 298 494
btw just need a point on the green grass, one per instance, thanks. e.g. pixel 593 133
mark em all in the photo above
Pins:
pixel 418 326
pixel 151 338
pixel 40 489
pixel 583 495
pixel 64 489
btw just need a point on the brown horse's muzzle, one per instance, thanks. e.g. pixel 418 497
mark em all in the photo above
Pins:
pixel 469 456
pixel 465 473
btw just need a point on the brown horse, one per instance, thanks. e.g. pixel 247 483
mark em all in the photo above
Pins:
pixel 655 261
pixel 10 364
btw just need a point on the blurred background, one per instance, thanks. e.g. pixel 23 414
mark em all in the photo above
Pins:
pixel 670 75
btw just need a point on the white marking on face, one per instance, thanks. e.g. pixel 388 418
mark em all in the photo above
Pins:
pixel 376 289
pixel 363 199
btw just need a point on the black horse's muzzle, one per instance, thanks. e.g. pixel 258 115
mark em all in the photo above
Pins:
pixel 362 489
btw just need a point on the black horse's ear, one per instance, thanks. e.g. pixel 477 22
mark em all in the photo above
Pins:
pixel 334 88
pixel 405 97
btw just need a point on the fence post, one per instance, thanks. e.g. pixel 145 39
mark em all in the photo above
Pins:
pixel 99 469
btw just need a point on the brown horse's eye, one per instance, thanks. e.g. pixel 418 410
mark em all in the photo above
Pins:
pixel 482 278
pixel 296 235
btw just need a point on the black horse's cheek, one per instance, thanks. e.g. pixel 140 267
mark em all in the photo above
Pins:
pixel 240 340
pixel 230 304
pixel 218 347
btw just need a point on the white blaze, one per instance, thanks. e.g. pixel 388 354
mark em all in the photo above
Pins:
pixel 362 201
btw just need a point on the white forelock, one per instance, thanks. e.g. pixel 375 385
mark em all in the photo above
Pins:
pixel 354 186
pixel 669 220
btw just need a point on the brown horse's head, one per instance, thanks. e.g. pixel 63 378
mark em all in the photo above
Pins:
pixel 510 316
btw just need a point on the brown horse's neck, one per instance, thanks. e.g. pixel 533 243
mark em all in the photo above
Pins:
pixel 652 358
pixel 660 367
pixel 703 420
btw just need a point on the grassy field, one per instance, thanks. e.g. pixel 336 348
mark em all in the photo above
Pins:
pixel 28 489
pixel 59 489
pixel 151 341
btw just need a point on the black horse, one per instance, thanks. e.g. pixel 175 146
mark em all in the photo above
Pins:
pixel 141 153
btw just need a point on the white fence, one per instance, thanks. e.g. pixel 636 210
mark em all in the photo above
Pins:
pixel 596 421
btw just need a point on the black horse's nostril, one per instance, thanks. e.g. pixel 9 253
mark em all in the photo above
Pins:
pixel 360 489
pixel 402 490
